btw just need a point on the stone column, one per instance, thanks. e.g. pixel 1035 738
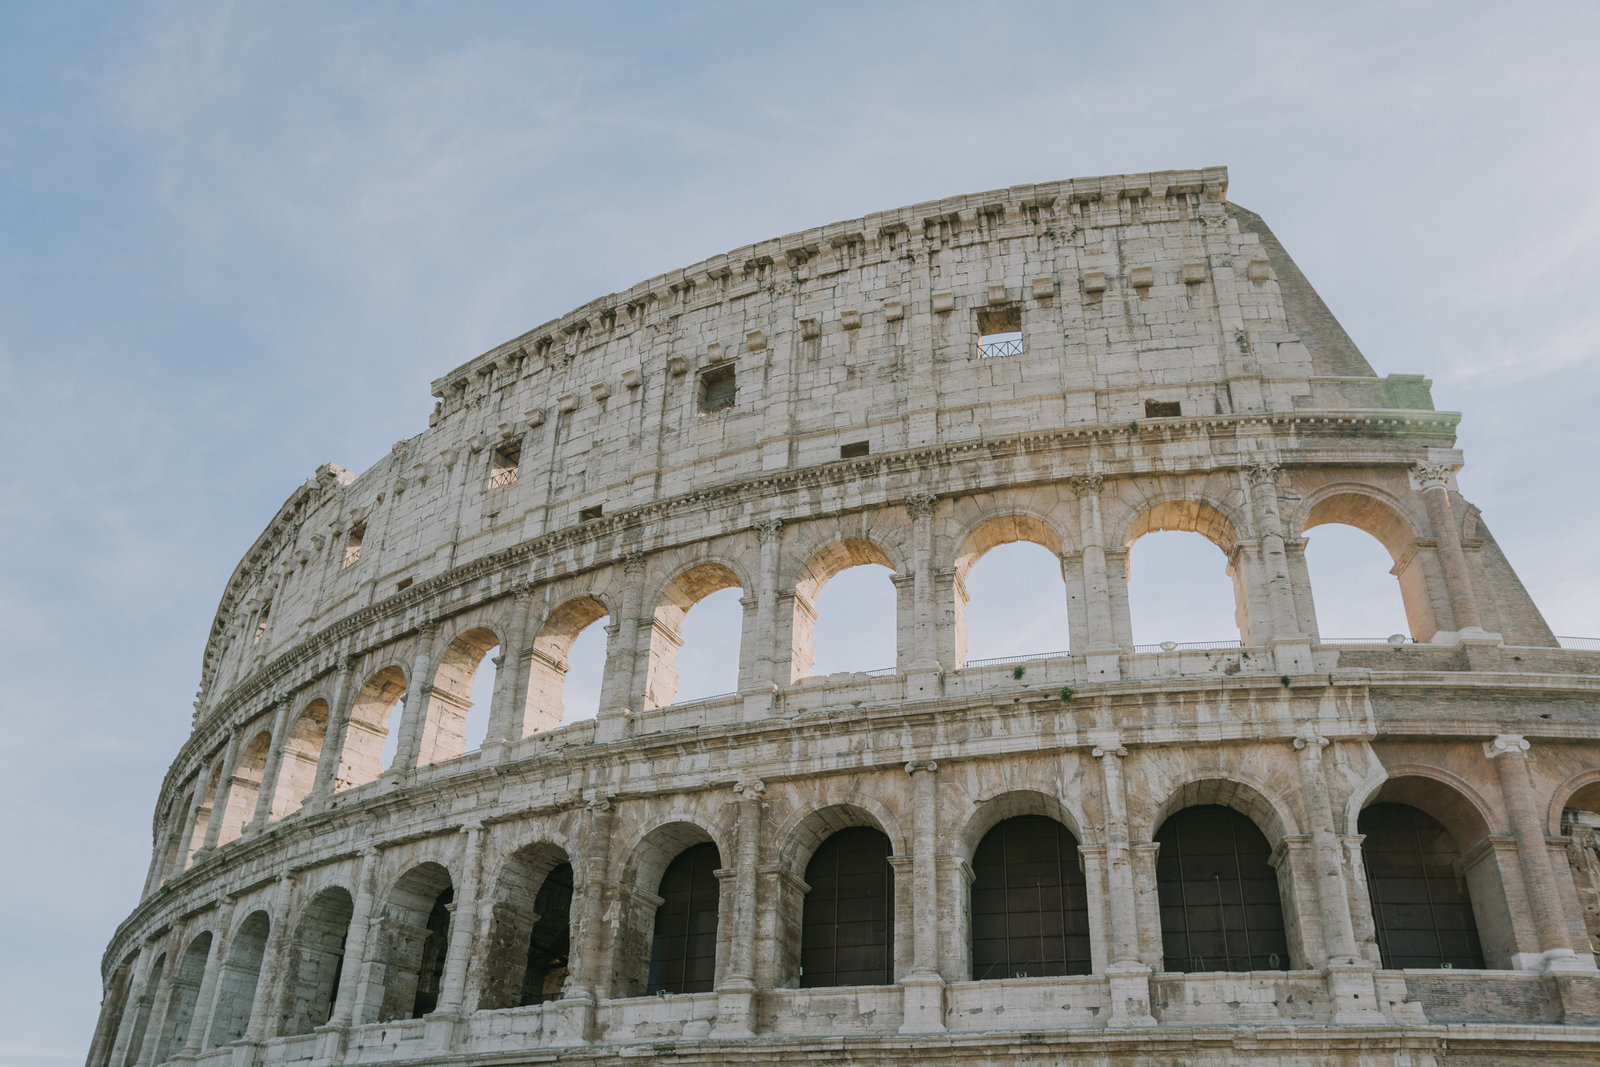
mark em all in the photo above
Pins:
pixel 1291 650
pixel 269 773
pixel 923 655
pixel 924 987
pixel 620 690
pixel 1102 656
pixel 736 993
pixel 1434 479
pixel 1510 755
pixel 333 740
pixel 186 836
pixel 441 1022
pixel 505 710
pixel 139 994
pixel 354 974
pixel 760 689
pixel 1128 975
pixel 1350 981
pixel 414 714
pixel 583 986
pixel 160 993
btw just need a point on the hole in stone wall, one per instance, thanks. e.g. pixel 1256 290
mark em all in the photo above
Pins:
pixel 352 544
pixel 1162 409
pixel 716 389
pixel 854 449
pixel 504 464
pixel 590 513
pixel 1000 331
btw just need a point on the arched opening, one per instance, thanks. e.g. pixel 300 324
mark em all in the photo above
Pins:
pixel 373 730
pixel 316 961
pixel 1010 592
pixel 1017 604
pixel 683 945
pixel 417 924
pixel 1420 905
pixel 1471 895
pixel 245 788
pixel 237 982
pixel 1182 589
pixel 564 672
pixel 845 611
pixel 847 923
pixel 1030 903
pixel 141 1019
pixel 694 649
pixel 1349 559
pixel 181 1002
pixel 116 1004
pixel 1220 908
pixel 445 730
pixel 530 930
pixel 1580 821
pixel 1353 583
pixel 297 770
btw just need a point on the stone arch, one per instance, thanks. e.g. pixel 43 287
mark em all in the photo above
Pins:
pixel 238 979
pixel 1580 790
pixel 145 1009
pixel 547 659
pixel 530 912
pixel 449 700
pixel 183 997
pixel 245 789
pixel 1201 514
pixel 361 760
pixel 1246 794
pixel 820 567
pixel 317 958
pixel 987 814
pixel 803 832
pixel 683 591
pixel 1379 514
pixel 414 933
pixel 115 1005
pixel 993 528
pixel 647 861
pixel 297 766
pixel 1472 827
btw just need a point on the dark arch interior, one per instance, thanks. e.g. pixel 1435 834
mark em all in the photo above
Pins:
pixel 550 940
pixel 1219 895
pixel 316 962
pixel 1030 907
pixel 1420 903
pixel 847 924
pixel 683 950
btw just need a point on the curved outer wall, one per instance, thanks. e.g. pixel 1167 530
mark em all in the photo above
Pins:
pixel 1176 371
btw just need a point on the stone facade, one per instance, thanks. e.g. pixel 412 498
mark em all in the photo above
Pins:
pixel 764 420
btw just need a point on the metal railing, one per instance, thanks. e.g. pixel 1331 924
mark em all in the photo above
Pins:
pixel 1031 657
pixel 1362 641
pixel 502 477
pixel 992 349
pixel 1580 644
pixel 1186 646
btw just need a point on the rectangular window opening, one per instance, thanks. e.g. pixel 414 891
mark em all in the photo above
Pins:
pixel 854 449
pixel 503 465
pixel 586 514
pixel 1162 409
pixel 402 585
pixel 352 545
pixel 1000 331
pixel 716 389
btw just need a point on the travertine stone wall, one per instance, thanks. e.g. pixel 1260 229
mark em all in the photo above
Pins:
pixel 292 907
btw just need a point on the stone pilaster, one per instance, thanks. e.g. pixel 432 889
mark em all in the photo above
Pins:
pixel 736 992
pixel 924 987
pixel 414 714
pixel 1129 975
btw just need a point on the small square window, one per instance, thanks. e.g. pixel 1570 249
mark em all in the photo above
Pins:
pixel 1000 331
pixel 586 514
pixel 352 545
pixel 1162 409
pixel 854 449
pixel 402 585
pixel 503 465
pixel 716 389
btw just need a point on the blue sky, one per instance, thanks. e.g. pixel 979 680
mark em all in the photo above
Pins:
pixel 237 241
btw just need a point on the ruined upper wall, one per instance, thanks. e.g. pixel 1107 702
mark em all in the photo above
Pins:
pixel 1134 295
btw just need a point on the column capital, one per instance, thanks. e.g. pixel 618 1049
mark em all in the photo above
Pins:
pixel 1506 744
pixel 348 662
pixel 1107 743
pixel 1086 484
pixel 427 627
pixel 927 765
pixel 750 788
pixel 921 503
pixel 1310 740
pixel 768 530
pixel 601 803
pixel 1264 473
pixel 1433 475
pixel 632 562
pixel 522 590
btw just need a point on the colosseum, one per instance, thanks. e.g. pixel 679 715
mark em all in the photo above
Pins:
pixel 1275 848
